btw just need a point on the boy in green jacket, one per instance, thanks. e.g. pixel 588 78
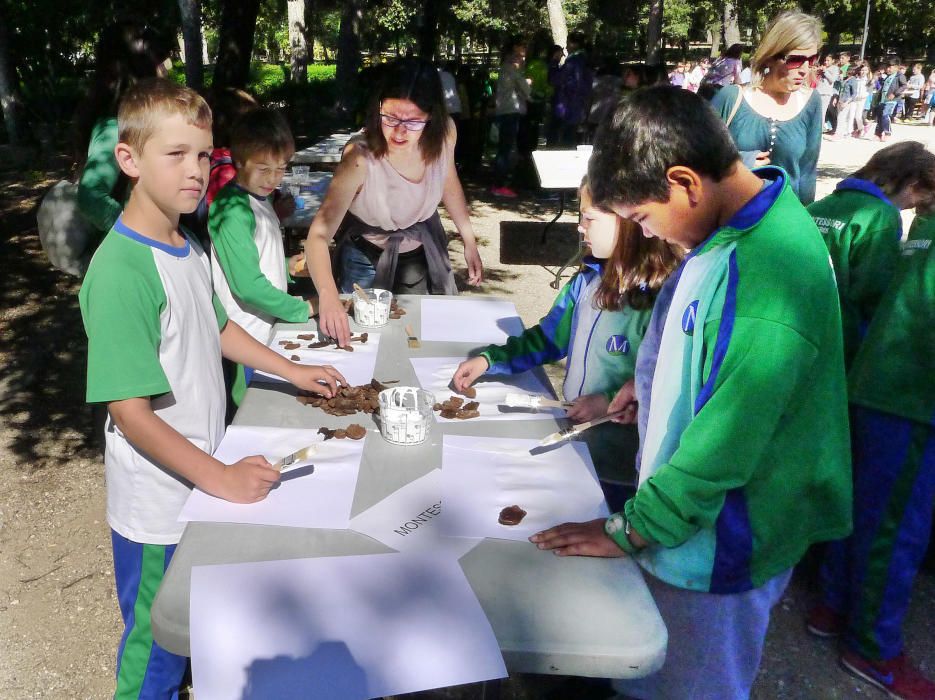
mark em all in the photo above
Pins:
pixel 862 228
pixel 741 389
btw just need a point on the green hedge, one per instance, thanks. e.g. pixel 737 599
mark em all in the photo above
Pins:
pixel 266 79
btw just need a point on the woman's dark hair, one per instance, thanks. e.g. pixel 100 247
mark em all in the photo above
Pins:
pixel 900 165
pixel 416 80
pixel 652 130
pixel 734 51
pixel 126 53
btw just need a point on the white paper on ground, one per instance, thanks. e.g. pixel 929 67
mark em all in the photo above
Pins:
pixel 469 320
pixel 407 520
pixel 483 475
pixel 321 498
pixel 337 628
pixel 357 366
pixel 435 373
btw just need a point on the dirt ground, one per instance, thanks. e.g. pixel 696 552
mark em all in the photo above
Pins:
pixel 59 623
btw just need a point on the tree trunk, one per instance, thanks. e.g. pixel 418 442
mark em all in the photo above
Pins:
pixel 557 22
pixel 654 33
pixel 348 62
pixel 730 27
pixel 8 92
pixel 235 43
pixel 298 46
pixel 714 38
pixel 190 11
pixel 428 29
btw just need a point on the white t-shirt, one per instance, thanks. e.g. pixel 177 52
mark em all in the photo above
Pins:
pixel 915 85
pixel 153 331
pixel 450 90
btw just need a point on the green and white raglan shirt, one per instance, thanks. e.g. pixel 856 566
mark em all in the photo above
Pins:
pixel 248 263
pixel 862 229
pixel 745 452
pixel 600 345
pixel 894 371
pixel 153 326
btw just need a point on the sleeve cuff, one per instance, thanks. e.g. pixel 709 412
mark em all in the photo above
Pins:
pixel 615 528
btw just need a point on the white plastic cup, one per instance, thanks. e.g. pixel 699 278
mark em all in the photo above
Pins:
pixel 405 414
pixel 300 171
pixel 374 312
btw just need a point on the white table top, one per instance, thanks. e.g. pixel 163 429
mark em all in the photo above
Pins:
pixel 556 615
pixel 328 150
pixel 561 170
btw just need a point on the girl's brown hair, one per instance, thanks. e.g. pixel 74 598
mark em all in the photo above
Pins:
pixel 636 269
pixel 416 80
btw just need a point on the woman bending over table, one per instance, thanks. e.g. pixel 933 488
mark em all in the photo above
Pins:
pixel 383 200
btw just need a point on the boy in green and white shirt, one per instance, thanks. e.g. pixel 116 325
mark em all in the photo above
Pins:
pixel 248 263
pixel 155 338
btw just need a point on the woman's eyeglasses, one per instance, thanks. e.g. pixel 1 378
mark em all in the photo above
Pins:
pixel 410 124
pixel 796 60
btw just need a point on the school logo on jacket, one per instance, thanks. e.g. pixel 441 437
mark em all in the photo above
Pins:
pixel 688 318
pixel 618 345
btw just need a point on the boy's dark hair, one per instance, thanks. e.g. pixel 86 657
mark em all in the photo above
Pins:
pixel 228 105
pixel 899 165
pixel 734 51
pixel 261 131
pixel 652 130
pixel 416 80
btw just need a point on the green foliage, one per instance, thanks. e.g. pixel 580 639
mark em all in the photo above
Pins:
pixel 321 72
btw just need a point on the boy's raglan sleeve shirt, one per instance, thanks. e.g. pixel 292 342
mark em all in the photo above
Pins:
pixel 725 441
pixel 873 258
pixel 231 224
pixel 121 301
pixel 99 178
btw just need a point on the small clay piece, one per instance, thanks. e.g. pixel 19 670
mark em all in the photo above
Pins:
pixel 471 406
pixel 327 432
pixel 456 401
pixel 340 433
pixel 292 346
pixel 294 358
pixel 348 400
pixel 306 336
pixel 462 414
pixel 511 515
pixel 356 431
pixel 449 413
pixel 283 343
pixel 470 392
pixel 319 344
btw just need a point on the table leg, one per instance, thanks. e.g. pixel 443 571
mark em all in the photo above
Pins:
pixel 561 210
pixel 490 690
pixel 576 256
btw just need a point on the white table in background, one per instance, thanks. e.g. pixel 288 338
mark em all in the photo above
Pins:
pixel 554 615
pixel 325 152
pixel 562 171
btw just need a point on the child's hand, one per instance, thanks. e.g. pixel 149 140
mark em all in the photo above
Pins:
pixel 297 266
pixel 624 398
pixel 578 539
pixel 332 319
pixel 248 480
pixel 468 371
pixel 319 379
pixel 762 159
pixel 588 407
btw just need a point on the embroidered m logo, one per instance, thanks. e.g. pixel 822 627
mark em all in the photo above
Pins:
pixel 618 345
pixel 688 318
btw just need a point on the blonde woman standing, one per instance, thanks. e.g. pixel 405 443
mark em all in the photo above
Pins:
pixel 778 119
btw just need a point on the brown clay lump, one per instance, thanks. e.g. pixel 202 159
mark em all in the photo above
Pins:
pixel 511 515
pixel 455 408
pixel 354 431
pixel 470 392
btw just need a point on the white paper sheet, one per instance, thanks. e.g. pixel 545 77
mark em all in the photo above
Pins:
pixel 469 320
pixel 435 373
pixel 481 476
pixel 407 520
pixel 357 367
pixel 337 628
pixel 304 498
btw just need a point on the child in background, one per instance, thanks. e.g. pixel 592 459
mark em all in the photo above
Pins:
pixel 226 108
pixel 867 578
pixel 248 262
pixel 155 338
pixel 862 228
pixel 597 322
pixel 741 390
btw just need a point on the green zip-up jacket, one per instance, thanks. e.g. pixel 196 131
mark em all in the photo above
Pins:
pixel 861 228
pixel 746 458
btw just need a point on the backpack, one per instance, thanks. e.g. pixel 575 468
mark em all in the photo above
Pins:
pixel 66 236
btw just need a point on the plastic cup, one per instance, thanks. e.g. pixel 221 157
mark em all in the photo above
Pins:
pixel 405 414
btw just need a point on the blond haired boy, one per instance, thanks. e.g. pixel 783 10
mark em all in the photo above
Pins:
pixel 156 334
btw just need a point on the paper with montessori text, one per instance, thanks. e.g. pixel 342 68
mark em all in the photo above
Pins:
pixel 407 520
pixel 307 496
pixel 356 366
pixel 470 320
pixel 435 374
pixel 337 628
pixel 483 475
